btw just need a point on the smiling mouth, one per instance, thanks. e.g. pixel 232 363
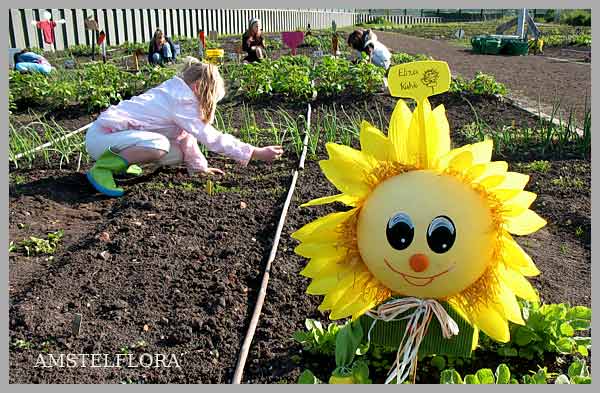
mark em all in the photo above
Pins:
pixel 417 281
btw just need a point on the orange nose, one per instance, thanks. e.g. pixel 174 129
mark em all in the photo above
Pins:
pixel 419 262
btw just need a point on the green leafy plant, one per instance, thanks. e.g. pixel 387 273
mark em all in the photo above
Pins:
pixel 331 76
pixel 578 374
pixel 401 58
pixel 501 376
pixel 316 339
pixel 482 84
pixel 22 344
pixel 366 78
pixel 542 166
pixel 548 328
pixel 308 378
pixel 38 246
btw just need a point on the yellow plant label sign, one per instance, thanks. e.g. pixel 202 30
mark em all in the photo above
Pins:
pixel 419 79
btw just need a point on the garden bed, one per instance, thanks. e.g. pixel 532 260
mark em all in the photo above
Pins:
pixel 174 266
pixel 181 275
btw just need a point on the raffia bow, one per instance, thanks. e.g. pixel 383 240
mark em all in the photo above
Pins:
pixel 416 329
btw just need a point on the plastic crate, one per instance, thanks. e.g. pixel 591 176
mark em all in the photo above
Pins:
pixel 492 46
pixel 516 47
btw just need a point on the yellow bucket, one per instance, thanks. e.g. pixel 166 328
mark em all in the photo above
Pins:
pixel 214 56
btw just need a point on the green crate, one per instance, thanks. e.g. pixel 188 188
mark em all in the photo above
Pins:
pixel 389 334
pixel 515 47
pixel 492 46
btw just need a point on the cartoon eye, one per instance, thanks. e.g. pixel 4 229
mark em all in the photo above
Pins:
pixel 441 234
pixel 400 231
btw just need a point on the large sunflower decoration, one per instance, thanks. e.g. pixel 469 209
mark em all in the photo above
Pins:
pixel 424 221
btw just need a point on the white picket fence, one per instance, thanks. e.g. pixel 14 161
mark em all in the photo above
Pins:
pixel 138 25
pixel 407 19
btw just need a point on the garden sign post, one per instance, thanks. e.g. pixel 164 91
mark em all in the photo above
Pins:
pixel 292 39
pixel 202 44
pixel 419 80
pixel 102 45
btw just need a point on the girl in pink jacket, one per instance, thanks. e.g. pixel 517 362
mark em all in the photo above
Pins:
pixel 164 125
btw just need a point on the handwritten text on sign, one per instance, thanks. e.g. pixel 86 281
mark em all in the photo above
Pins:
pixel 419 79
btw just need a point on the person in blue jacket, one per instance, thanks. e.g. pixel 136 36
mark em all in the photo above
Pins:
pixel 26 61
pixel 162 49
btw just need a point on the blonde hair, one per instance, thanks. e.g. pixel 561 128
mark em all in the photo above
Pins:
pixel 211 87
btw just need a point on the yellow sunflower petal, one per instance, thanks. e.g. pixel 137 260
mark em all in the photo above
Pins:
pixel 438 135
pixel 508 305
pixel 416 146
pixel 398 130
pixel 343 198
pixel 524 224
pixel 322 250
pixel 346 169
pixel 456 306
pixel 374 143
pixel 482 151
pixel 492 323
pixel 323 228
pixel 319 264
pixel 444 160
pixel 492 181
pixel 513 180
pixel 332 298
pixel 322 285
pixel 461 161
pixel 517 283
pixel 345 306
pixel 519 203
pixel 517 258
pixel 480 171
pixel 504 194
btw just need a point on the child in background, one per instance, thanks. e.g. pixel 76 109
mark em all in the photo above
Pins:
pixel 26 61
pixel 163 126
pixel 253 42
pixel 162 49
pixel 366 41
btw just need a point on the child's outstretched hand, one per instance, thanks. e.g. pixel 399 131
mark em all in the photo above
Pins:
pixel 267 153
pixel 212 171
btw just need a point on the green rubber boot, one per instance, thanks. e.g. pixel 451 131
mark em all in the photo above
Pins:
pixel 101 174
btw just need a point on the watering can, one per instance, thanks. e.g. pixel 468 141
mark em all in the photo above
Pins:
pixel 292 39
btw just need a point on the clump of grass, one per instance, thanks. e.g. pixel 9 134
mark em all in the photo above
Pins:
pixel 568 182
pixel 545 140
pixel 22 344
pixel 213 188
pixel 538 166
pixel 39 246
pixel 295 127
pixel 63 147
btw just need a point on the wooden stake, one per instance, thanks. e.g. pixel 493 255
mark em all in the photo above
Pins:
pixel 239 369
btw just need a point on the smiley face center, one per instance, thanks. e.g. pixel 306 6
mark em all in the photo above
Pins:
pixel 424 234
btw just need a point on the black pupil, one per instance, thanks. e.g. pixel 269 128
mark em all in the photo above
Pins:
pixel 441 234
pixel 400 231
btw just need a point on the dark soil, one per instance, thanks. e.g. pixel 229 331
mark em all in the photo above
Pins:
pixel 535 78
pixel 183 268
pixel 181 273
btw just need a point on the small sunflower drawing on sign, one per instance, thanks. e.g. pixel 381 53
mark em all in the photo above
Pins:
pixel 430 78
